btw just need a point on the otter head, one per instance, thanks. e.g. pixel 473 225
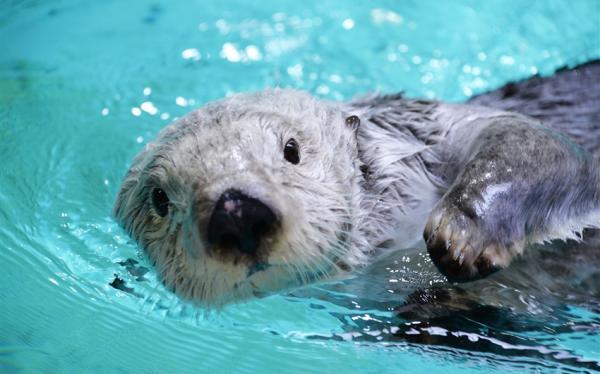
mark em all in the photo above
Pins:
pixel 247 196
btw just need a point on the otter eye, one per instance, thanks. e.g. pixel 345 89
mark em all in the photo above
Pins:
pixel 160 202
pixel 291 151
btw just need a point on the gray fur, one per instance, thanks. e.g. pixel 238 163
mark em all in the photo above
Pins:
pixel 568 102
pixel 481 182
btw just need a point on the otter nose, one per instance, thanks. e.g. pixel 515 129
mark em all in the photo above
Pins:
pixel 239 222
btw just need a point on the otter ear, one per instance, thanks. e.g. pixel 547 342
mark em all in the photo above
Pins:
pixel 352 122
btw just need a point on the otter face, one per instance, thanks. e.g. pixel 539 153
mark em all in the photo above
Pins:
pixel 247 196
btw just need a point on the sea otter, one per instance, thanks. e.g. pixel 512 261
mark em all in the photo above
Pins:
pixel 263 192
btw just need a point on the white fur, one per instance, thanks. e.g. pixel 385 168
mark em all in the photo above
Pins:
pixel 333 216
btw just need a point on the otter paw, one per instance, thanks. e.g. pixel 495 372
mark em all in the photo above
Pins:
pixel 460 249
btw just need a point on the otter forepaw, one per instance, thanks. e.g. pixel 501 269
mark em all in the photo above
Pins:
pixel 460 249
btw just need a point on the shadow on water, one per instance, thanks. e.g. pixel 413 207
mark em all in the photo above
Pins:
pixel 532 311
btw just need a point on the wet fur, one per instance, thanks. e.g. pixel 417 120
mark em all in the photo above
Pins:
pixel 360 191
pixel 237 143
pixel 489 183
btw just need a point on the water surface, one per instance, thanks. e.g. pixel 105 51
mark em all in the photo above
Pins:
pixel 85 85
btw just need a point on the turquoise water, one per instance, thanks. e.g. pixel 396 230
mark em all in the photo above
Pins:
pixel 84 85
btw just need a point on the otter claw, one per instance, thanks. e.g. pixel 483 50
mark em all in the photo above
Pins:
pixel 460 250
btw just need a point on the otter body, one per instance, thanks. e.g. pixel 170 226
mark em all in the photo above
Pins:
pixel 482 183
pixel 263 192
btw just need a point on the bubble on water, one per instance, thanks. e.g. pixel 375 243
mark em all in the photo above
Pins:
pixel 149 108
pixel 335 78
pixel 323 90
pixel 222 26
pixel 139 139
pixel 381 15
pixel 348 24
pixel 147 91
pixel 507 60
pixel 253 53
pixel 295 71
pixel 191 54
pixel 105 111
pixel 136 111
pixel 181 101
pixel 230 53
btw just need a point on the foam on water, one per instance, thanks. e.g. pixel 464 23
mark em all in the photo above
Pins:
pixel 85 85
